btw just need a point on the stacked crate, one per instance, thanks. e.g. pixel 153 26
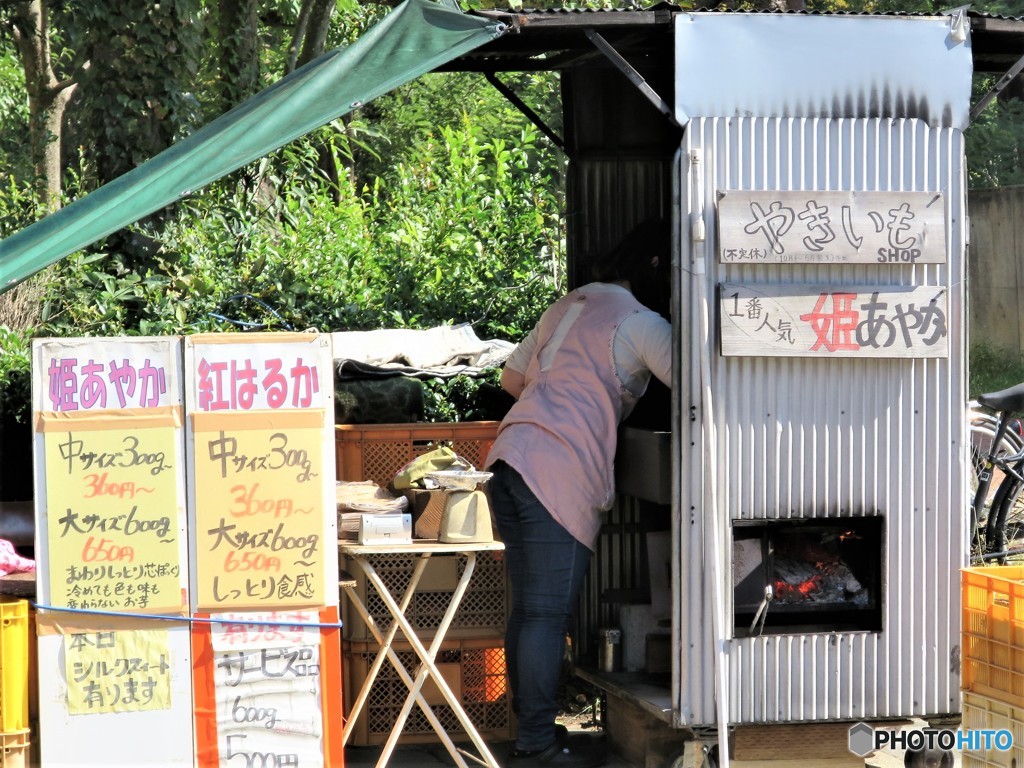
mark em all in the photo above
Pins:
pixel 377 451
pixel 15 659
pixel 992 679
pixel 472 656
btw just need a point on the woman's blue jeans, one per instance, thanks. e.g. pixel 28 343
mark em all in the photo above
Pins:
pixel 546 567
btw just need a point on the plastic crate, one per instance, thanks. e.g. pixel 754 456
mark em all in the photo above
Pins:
pixel 482 613
pixel 473 668
pixel 14 664
pixel 377 451
pixel 984 713
pixel 992 602
pixel 14 748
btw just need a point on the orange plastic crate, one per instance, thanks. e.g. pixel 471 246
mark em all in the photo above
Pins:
pixel 992 602
pixel 377 451
pixel 474 669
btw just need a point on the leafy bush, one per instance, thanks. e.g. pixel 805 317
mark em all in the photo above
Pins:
pixel 15 374
pixel 993 369
pixel 466 230
pixel 994 146
pixel 461 398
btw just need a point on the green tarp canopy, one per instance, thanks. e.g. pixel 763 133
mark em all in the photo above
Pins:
pixel 415 38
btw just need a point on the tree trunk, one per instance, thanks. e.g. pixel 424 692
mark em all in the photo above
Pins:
pixel 315 33
pixel 47 97
pixel 310 40
pixel 239 51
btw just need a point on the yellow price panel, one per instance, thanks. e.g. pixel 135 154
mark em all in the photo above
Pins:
pixel 259 512
pixel 113 519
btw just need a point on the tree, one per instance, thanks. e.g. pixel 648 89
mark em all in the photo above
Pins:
pixel 48 95
pixel 311 31
pixel 239 51
pixel 138 94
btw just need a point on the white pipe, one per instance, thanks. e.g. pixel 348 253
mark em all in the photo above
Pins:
pixel 711 468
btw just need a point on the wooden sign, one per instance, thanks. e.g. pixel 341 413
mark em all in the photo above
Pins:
pixel 817 227
pixel 260 448
pixel 832 321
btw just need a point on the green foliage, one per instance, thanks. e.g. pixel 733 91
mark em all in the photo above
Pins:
pixel 468 234
pixel 102 294
pixel 458 398
pixel 19 204
pixel 136 96
pixel 14 160
pixel 15 373
pixel 417 111
pixel 462 235
pixel 995 144
pixel 993 369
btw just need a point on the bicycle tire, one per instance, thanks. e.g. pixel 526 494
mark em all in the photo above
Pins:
pixel 983 427
pixel 983 431
pixel 1005 529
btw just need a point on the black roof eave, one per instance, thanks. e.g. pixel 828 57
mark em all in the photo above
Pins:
pixel 557 40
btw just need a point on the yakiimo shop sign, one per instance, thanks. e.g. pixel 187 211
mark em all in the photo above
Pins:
pixel 831 227
pixel 865 739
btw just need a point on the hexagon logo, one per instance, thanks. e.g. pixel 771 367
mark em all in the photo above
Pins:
pixel 862 739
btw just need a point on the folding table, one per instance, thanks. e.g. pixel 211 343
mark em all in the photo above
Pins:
pixel 419 553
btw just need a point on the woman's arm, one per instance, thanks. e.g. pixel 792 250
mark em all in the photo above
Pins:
pixel 512 381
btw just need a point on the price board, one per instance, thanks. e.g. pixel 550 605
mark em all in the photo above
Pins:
pixel 111 550
pixel 259 438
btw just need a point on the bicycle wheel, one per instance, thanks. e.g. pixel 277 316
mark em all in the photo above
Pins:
pixel 1005 529
pixel 983 432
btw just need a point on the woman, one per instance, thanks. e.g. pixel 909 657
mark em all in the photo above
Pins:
pixel 577 374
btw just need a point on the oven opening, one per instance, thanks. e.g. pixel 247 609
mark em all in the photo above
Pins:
pixel 809 575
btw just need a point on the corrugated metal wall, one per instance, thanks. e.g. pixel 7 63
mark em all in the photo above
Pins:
pixel 800 437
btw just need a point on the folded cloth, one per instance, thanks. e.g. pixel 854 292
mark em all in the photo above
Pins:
pixel 443 351
pixel 12 562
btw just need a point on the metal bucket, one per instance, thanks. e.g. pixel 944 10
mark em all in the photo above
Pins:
pixel 609 649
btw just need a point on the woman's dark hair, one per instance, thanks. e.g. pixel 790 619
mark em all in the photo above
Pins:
pixel 642 257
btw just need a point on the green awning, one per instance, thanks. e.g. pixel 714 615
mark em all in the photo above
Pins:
pixel 413 39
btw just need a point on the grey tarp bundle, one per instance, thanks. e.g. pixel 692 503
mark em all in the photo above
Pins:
pixel 413 39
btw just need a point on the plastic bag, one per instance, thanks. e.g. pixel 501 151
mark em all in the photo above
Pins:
pixel 12 562
pixel 415 472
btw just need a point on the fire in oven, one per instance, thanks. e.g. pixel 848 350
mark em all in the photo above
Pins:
pixel 807 575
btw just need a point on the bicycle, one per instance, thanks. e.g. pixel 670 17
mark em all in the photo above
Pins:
pixel 997 461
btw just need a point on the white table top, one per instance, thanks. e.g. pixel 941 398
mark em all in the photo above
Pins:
pixel 419 547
